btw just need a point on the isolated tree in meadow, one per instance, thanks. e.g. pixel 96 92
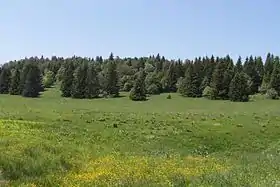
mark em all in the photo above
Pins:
pixel 15 82
pixel 238 90
pixel 48 79
pixel 67 79
pixel 79 81
pixel 5 78
pixel 275 77
pixel 138 92
pixel 111 76
pixel 32 86
pixel 92 88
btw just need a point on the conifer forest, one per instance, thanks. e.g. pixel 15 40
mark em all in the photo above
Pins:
pixel 218 78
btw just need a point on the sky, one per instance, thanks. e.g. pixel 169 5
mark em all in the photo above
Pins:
pixel 173 28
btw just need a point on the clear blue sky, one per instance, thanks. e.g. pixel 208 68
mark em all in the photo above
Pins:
pixel 173 28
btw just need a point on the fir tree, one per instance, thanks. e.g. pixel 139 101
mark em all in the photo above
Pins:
pixel 79 81
pixel 111 87
pixel 275 76
pixel 217 82
pixel 238 88
pixel 238 66
pixel 67 79
pixel 92 83
pixel 32 86
pixel 251 70
pixel 189 86
pixel 138 92
pixel 5 78
pixel 15 82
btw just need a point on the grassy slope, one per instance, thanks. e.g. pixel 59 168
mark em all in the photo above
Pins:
pixel 71 133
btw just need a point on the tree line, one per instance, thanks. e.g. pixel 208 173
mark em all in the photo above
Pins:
pixel 209 77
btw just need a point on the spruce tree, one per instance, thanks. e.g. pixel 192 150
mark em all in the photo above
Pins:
pixel 251 70
pixel 238 88
pixel 5 78
pixel 138 92
pixel 189 86
pixel 238 66
pixel 275 76
pixel 92 83
pixel 32 86
pixel 67 79
pixel 23 75
pixel 111 87
pixel 79 82
pixel 217 81
pixel 171 78
pixel 15 82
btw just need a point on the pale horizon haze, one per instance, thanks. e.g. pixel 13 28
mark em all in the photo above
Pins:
pixel 176 29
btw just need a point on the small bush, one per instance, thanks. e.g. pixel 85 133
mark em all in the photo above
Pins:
pixel 272 94
pixel 136 96
pixel 208 93
pixel 153 89
pixel 168 97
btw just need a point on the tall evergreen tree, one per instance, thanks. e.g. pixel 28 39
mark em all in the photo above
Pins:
pixel 79 81
pixel 15 82
pixel 190 84
pixel 217 82
pixel 92 83
pixel 275 76
pixel 138 92
pixel 238 88
pixel 251 70
pixel 5 78
pixel 32 86
pixel 111 87
pixel 67 79
pixel 238 66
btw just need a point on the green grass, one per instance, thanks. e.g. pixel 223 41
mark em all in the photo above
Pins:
pixel 55 141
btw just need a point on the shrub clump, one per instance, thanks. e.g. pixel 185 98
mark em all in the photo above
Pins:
pixel 272 94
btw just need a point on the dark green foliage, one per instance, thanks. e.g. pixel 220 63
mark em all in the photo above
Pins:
pixel 275 77
pixel 32 86
pixel 239 88
pixel 218 77
pixel 188 77
pixel 170 79
pixel 168 96
pixel 5 78
pixel 111 76
pixel 250 69
pixel 239 67
pixel 48 79
pixel 127 86
pixel 138 92
pixel 79 82
pixel 67 79
pixel 92 88
pixel 272 94
pixel 189 87
pixel 15 82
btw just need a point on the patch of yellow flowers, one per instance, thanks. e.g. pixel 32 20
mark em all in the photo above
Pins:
pixel 115 170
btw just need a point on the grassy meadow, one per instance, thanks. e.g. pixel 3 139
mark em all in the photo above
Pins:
pixel 54 141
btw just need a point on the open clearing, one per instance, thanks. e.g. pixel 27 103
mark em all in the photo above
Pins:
pixel 55 141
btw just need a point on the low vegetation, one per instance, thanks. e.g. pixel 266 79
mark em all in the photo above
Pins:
pixel 56 141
